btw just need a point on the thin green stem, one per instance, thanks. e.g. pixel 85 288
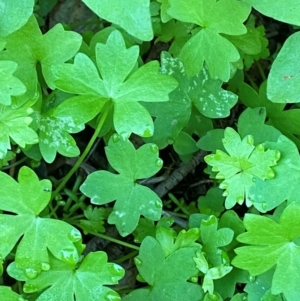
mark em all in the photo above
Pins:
pixel 261 71
pixel 117 241
pixel 127 256
pixel 84 154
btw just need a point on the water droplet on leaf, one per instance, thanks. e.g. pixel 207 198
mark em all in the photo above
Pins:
pixel 250 139
pixel 31 273
pixel 158 204
pixel 263 206
pixel 27 120
pixel 112 296
pixel 148 132
pixel 194 279
pixel 29 111
pixel 154 148
pixel 270 174
pixel 213 297
pixel 45 266
pixel 251 278
pixel 30 288
pixel 277 155
pixel 116 270
pixel 67 255
pixel 74 235
pixel 159 163
pixel 138 261
pixel 260 147
pixel 115 138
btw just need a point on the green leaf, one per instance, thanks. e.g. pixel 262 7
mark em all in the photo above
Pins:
pixel 68 117
pixel 166 273
pixel 287 121
pixel 14 124
pixel 259 286
pixel 269 194
pixel 9 84
pixel 213 239
pixel 210 274
pixel 94 220
pixel 26 200
pixel 145 84
pixel 9 295
pixel 39 49
pixel 242 163
pixel 132 15
pixel 285 11
pixel 273 244
pixel 133 199
pixel 14 17
pixel 65 281
pixel 284 77
pixel 252 122
pixel 207 45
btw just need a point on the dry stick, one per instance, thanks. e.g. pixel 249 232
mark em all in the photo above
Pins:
pixel 177 176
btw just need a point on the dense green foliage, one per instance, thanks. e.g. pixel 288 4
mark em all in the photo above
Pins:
pixel 239 241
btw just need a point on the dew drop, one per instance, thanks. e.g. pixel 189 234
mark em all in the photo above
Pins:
pixel 260 147
pixel 31 273
pixel 251 278
pixel 277 155
pixel 116 270
pixel 194 279
pixel 154 148
pixel 213 297
pixel 250 139
pixel 30 288
pixel 183 231
pixel 112 296
pixel 263 206
pixel 115 138
pixel 29 111
pixel 158 204
pixel 148 132
pixel 138 261
pixel 240 199
pixel 159 163
pixel 67 255
pixel 45 266
pixel 270 174
pixel 27 120
pixel 74 235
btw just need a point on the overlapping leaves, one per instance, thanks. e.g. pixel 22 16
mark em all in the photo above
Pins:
pixel 273 244
pixel 120 82
pixel 65 281
pixel 37 235
pixel 207 44
pixel 166 265
pixel 240 166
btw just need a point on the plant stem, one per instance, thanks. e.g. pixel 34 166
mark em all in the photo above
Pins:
pixel 84 154
pixel 117 241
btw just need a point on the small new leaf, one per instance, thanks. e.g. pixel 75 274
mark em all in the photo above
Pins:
pixel 132 199
pixel 273 244
pixel 239 167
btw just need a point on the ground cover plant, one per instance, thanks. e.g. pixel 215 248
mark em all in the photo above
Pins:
pixel 149 150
